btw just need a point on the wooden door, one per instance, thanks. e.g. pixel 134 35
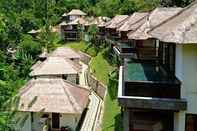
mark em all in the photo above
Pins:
pixel 55 120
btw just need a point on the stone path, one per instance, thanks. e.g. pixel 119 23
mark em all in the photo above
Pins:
pixel 92 118
pixel 92 114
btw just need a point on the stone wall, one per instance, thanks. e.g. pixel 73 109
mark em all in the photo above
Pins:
pixel 98 87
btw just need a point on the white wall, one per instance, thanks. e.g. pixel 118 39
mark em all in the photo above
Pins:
pixel 36 124
pixel 190 77
pixel 73 17
pixel 23 126
pixel 69 120
pixel 186 71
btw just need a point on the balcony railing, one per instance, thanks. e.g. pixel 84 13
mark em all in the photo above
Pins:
pixel 144 86
pixel 71 31
pixel 125 49
pixel 147 80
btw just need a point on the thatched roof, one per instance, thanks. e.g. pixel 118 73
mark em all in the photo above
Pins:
pixel 76 12
pixel 102 21
pixel 63 23
pixel 134 19
pixel 99 21
pixel 65 52
pixel 80 21
pixel 156 17
pixel 65 14
pixel 52 95
pixel 55 66
pixel 122 22
pixel 181 28
pixel 91 21
pixel 77 21
pixel 113 23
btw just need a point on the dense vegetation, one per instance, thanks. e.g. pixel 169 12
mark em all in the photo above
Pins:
pixel 18 50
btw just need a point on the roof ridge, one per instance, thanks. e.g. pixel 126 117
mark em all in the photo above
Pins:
pixel 122 22
pixel 37 67
pixel 132 31
pixel 52 61
pixel 72 100
pixel 172 17
pixel 29 84
pixel 78 86
pixel 146 27
pixel 74 65
pixel 147 15
pixel 186 28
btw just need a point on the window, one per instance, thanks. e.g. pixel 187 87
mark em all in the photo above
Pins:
pixel 191 122
pixel 167 57
pixel 146 50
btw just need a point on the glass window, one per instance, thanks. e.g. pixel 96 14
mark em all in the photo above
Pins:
pixel 167 57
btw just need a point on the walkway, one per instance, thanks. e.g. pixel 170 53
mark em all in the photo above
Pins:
pixel 92 114
pixel 92 117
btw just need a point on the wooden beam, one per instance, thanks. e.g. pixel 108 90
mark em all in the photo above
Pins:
pixel 152 103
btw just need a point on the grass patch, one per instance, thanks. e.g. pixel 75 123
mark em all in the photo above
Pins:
pixel 101 68
pixel 112 118
pixel 82 46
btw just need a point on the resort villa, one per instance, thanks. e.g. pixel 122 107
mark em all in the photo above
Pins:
pixel 180 32
pixel 125 46
pixel 51 104
pixel 57 67
pixel 71 26
pixel 111 26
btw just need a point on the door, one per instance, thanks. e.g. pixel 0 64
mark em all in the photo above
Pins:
pixel 55 120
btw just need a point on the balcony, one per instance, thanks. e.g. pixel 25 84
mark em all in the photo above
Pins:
pixel 144 85
pixel 112 37
pixel 125 49
pixel 71 35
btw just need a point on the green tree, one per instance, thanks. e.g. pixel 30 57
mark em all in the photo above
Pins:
pixel 29 46
pixel 92 32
